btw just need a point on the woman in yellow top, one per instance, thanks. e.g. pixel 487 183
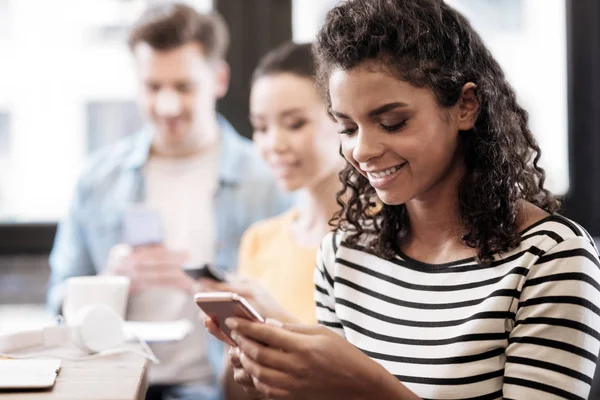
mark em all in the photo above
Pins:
pixel 299 141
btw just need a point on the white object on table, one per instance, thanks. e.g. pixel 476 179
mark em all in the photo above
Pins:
pixel 28 374
pixel 158 331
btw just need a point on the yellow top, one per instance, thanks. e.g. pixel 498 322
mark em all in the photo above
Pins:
pixel 270 255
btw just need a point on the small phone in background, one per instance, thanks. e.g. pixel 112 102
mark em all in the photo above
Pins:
pixel 142 226
pixel 209 271
pixel 222 305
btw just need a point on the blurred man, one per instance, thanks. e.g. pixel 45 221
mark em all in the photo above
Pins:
pixel 192 168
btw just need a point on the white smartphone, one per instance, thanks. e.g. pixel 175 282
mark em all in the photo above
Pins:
pixel 222 305
pixel 142 226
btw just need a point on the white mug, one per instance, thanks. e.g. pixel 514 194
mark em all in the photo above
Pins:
pixel 111 291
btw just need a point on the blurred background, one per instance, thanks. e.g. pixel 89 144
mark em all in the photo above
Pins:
pixel 67 88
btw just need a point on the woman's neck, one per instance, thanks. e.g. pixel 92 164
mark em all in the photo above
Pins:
pixel 316 205
pixel 435 225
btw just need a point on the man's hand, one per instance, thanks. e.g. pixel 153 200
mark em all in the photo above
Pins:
pixel 150 266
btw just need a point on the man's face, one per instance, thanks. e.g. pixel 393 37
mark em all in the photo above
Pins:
pixel 178 93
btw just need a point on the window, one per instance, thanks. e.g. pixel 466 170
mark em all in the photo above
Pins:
pixel 5 20
pixel 5 134
pixel 307 17
pixel 69 84
pixel 109 121
pixel 528 38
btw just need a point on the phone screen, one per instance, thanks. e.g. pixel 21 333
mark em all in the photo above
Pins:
pixel 142 226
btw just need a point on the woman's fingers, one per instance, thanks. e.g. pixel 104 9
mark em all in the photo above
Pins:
pixel 272 334
pixel 270 392
pixel 234 357
pixel 264 376
pixel 263 355
pixel 214 330
pixel 242 377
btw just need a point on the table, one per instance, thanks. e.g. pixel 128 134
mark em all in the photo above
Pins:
pixel 114 377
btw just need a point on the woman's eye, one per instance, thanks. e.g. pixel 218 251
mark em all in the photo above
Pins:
pixel 297 125
pixel 395 127
pixel 347 131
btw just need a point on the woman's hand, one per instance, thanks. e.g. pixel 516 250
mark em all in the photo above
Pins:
pixel 266 306
pixel 308 362
pixel 240 376
pixel 253 292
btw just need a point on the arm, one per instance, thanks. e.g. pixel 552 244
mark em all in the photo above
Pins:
pixel 309 361
pixel 555 341
pixel 69 256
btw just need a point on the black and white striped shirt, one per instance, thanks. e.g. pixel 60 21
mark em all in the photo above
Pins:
pixel 525 327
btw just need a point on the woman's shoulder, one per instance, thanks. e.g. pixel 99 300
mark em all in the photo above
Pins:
pixel 556 233
pixel 555 226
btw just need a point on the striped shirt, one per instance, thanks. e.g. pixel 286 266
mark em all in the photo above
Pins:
pixel 526 326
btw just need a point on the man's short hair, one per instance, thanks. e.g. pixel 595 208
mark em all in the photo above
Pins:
pixel 168 26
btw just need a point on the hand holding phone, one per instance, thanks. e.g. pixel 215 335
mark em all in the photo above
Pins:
pixel 221 305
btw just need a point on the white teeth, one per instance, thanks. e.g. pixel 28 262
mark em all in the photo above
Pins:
pixel 385 173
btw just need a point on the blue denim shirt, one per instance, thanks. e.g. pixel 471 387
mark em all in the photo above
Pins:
pixel 113 179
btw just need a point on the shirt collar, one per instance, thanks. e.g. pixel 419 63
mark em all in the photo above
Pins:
pixel 229 148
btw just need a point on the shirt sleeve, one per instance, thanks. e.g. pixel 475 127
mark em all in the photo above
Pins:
pixel 324 293
pixel 554 344
pixel 69 256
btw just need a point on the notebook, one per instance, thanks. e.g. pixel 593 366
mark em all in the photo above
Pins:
pixel 28 374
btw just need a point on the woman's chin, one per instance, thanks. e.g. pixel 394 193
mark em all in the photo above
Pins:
pixel 392 199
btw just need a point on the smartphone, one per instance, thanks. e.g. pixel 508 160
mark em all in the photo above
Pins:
pixel 209 271
pixel 142 226
pixel 222 305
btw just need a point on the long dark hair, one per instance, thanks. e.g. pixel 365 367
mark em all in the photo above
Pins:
pixel 429 44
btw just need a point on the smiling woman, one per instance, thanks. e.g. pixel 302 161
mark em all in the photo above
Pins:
pixel 465 283
pixel 297 139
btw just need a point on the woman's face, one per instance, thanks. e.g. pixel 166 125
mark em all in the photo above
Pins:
pixel 396 134
pixel 293 132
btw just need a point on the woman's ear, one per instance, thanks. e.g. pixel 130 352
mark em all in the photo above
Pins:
pixel 468 107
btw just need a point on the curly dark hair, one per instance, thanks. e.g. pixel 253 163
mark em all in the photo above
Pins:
pixel 429 44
